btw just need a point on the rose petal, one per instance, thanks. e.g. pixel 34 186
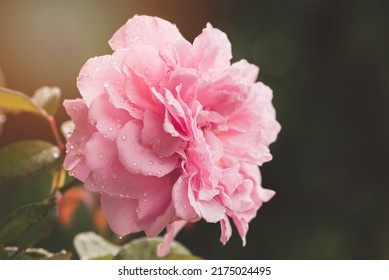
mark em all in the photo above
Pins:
pixel 93 75
pixel 140 159
pixel 100 152
pixel 144 61
pixel 211 49
pixel 107 119
pixel 242 227
pixel 146 30
pixel 75 158
pixel 226 230
pixel 115 180
pixel 121 214
pixel 183 207
pixel 171 232
pixel 153 134
pixel 212 211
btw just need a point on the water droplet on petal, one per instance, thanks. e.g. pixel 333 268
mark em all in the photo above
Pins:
pixel 150 162
pixel 145 194
pixel 120 237
pixel 110 128
pixel 118 125
pixel 159 172
pixel 101 155
pixel 137 210
pixel 93 122
pixel 124 137
pixel 135 163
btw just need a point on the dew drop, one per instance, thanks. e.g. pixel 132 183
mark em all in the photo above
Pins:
pixel 120 237
pixel 71 147
pixel 150 162
pixel 159 172
pixel 106 85
pixel 110 128
pixel 118 125
pixel 124 137
pixel 135 163
pixel 137 210
pixel 145 194
pixel 149 173
pixel 101 156
pixel 94 122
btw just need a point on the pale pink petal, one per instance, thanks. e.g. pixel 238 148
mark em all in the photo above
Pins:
pixel 121 214
pixel 171 232
pixel 212 211
pixel 182 83
pixel 75 158
pixel 174 54
pixel 211 49
pixel 146 30
pixel 153 135
pixel 242 226
pixel 93 75
pixel 226 230
pixel 182 202
pixel 100 152
pixel 144 61
pixel 115 180
pixel 140 159
pixel 159 223
pixel 107 119
pixel 247 70
pixel 266 194
pixel 214 144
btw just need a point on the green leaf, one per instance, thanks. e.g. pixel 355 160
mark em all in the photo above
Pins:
pixel 27 225
pixel 145 248
pixel 89 245
pixel 48 98
pixel 25 158
pixel 16 102
pixel 36 254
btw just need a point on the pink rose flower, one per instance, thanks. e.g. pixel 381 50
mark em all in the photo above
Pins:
pixel 170 132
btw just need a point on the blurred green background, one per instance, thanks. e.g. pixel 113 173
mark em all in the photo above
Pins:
pixel 327 62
